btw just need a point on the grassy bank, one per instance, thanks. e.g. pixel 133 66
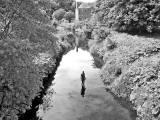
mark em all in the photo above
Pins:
pixel 31 114
pixel 23 65
pixel 24 79
pixel 131 70
pixel 29 47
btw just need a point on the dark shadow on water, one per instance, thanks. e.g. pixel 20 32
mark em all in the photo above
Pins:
pixel 83 89
pixel 76 48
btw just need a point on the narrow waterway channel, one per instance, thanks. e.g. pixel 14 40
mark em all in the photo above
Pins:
pixel 64 101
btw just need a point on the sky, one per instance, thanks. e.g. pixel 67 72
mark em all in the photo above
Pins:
pixel 85 0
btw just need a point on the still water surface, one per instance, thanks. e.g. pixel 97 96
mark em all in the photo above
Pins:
pixel 66 102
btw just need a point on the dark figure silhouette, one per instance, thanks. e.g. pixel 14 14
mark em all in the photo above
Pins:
pixel 76 48
pixel 83 89
pixel 83 78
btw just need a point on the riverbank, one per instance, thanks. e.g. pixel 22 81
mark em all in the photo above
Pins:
pixel 47 81
pixel 29 47
pixel 24 64
pixel 131 70
pixel 124 103
pixel 64 44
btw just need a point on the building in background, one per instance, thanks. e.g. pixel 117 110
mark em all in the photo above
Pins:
pixel 85 10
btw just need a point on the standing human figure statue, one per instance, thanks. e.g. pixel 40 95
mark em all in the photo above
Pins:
pixel 83 78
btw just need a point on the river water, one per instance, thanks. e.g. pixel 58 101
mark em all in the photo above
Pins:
pixel 63 100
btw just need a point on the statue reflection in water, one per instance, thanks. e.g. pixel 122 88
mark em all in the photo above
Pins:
pixel 76 48
pixel 83 78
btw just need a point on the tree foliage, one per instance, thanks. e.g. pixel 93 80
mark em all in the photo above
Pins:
pixel 48 7
pixel 69 16
pixel 100 34
pixel 131 70
pixel 63 7
pixel 59 14
pixel 25 33
pixel 67 5
pixel 129 15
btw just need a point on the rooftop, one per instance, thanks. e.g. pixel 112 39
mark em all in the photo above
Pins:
pixel 86 5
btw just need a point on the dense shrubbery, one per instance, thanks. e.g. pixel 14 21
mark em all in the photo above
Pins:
pixel 131 70
pixel 28 49
pixel 65 34
pixel 67 5
pixel 130 63
pixel 68 40
pixel 100 34
pixel 129 15
pixel 59 14
pixel 63 9
pixel 69 16
pixel 20 77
